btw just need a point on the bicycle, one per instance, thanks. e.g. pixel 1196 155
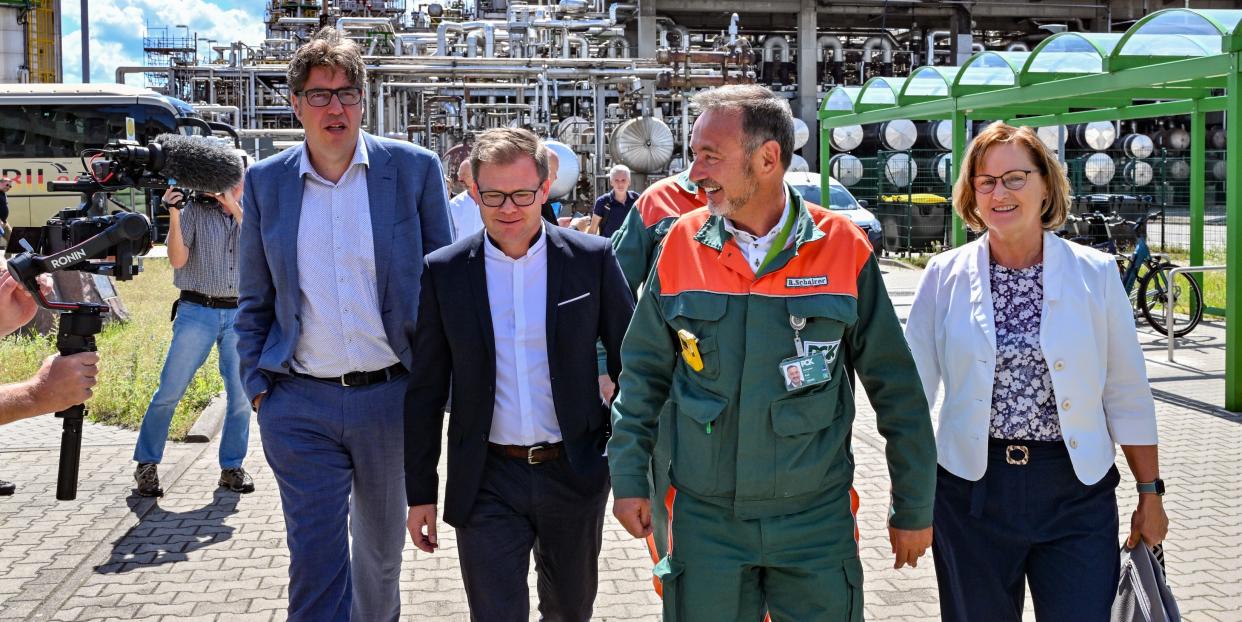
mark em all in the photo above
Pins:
pixel 1151 295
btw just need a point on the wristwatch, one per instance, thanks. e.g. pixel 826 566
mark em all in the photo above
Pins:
pixel 1154 487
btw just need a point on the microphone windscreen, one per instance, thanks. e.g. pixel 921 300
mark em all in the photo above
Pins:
pixel 200 163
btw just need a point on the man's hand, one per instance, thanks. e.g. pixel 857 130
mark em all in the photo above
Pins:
pixel 909 545
pixel 17 306
pixel 64 381
pixel 1148 522
pixel 258 399
pixel 634 513
pixel 172 198
pixel 421 516
pixel 607 388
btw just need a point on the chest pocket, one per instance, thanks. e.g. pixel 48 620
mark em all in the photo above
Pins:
pixel 698 313
pixel 827 318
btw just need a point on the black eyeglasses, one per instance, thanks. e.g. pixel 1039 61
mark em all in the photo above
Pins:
pixel 1013 180
pixel 496 198
pixel 348 96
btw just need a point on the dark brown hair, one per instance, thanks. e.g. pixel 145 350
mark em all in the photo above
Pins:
pixel 328 49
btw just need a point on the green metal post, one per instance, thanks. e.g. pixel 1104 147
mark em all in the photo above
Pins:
pixel 825 171
pixel 959 156
pixel 1198 174
pixel 1233 241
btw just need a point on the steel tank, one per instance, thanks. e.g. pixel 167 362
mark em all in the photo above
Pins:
pixel 895 135
pixel 846 138
pixel 1097 135
pixel 645 145
pixel 1138 146
pixel 846 168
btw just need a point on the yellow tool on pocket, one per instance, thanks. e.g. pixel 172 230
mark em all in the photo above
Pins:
pixel 690 349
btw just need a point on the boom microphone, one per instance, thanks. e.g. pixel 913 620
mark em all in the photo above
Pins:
pixel 199 163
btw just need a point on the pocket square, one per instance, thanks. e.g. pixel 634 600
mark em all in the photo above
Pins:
pixel 574 299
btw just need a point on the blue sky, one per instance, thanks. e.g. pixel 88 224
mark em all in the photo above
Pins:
pixel 117 28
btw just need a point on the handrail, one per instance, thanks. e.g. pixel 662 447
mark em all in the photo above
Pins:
pixel 1168 307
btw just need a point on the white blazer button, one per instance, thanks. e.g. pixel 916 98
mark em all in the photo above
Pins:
pixel 1065 405
pixel 1059 365
pixel 1073 443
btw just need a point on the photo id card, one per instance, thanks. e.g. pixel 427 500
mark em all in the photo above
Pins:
pixel 802 371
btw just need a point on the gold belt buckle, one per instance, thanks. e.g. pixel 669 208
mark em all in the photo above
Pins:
pixel 1009 454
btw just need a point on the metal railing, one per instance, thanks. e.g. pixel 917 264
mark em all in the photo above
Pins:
pixel 1168 308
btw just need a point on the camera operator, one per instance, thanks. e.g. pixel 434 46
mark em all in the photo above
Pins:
pixel 6 184
pixel 202 242
pixel 61 382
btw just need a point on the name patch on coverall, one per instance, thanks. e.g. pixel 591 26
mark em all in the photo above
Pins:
pixel 806 281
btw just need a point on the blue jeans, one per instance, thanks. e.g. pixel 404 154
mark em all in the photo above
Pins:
pixel 195 330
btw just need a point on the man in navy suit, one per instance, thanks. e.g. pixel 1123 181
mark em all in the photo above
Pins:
pixel 512 313
pixel 332 245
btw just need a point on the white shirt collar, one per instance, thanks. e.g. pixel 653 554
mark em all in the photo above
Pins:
pixel 767 238
pixel 491 251
pixel 360 157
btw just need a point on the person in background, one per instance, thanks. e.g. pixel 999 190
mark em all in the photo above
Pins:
pixel 611 209
pixel 202 243
pixel 550 210
pixel 6 184
pixel 1033 339
pixel 463 211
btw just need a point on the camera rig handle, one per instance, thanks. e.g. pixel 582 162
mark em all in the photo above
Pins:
pixel 26 267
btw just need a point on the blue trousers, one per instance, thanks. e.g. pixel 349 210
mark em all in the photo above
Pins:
pixel 1034 523
pixel 195 330
pixel 338 456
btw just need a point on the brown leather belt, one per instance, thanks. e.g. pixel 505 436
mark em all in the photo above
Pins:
pixel 532 454
pixel 210 302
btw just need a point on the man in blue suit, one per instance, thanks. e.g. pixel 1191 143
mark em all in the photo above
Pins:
pixel 332 245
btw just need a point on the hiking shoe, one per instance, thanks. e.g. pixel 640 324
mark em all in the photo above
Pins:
pixel 7 488
pixel 237 480
pixel 148 480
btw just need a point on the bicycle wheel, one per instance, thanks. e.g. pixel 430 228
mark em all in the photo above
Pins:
pixel 1187 301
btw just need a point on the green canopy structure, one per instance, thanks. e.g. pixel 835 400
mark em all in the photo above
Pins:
pixel 1172 62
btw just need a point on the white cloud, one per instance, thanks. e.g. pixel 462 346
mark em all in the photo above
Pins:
pixel 118 26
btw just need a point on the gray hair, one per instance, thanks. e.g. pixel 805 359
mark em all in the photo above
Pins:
pixel 620 168
pixel 765 116
pixel 327 49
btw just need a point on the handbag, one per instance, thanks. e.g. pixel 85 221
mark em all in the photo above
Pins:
pixel 1143 595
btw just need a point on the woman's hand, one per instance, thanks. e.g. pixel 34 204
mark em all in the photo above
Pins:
pixel 1149 522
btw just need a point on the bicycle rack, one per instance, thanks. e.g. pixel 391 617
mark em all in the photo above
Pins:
pixel 1168 307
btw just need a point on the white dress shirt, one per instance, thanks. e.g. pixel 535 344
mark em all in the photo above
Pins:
pixel 464 213
pixel 341 330
pixel 1086 334
pixel 517 292
pixel 755 249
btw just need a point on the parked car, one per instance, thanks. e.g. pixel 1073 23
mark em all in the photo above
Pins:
pixel 841 201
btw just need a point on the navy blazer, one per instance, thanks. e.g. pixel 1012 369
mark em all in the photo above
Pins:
pixel 588 299
pixel 409 218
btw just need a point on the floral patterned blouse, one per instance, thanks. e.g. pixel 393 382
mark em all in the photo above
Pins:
pixel 1023 404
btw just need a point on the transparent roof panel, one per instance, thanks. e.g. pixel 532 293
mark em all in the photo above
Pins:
pixel 1179 32
pixel 929 82
pixel 992 69
pixel 878 92
pixel 841 98
pixel 1073 52
pixel 1143 44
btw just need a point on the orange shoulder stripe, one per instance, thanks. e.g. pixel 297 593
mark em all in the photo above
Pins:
pixel 666 198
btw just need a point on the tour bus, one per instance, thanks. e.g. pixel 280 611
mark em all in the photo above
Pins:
pixel 45 127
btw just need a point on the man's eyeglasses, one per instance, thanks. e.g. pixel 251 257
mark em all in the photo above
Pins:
pixel 496 198
pixel 1013 180
pixel 348 96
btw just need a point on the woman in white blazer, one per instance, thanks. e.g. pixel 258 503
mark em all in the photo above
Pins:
pixel 1033 339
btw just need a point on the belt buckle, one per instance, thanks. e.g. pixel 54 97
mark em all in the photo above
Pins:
pixel 1009 454
pixel 530 454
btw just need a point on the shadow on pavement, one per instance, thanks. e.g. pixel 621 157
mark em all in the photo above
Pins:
pixel 163 537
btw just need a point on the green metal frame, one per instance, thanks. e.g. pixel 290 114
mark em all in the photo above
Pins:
pixel 1137 78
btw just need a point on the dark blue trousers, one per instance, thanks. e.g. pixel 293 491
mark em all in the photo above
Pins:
pixel 1034 523
pixel 547 509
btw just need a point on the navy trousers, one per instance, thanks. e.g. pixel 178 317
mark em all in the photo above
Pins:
pixel 1034 523
pixel 545 508
pixel 338 454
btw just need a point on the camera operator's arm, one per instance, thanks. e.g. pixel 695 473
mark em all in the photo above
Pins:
pixel 61 382
pixel 231 202
pixel 178 252
pixel 17 306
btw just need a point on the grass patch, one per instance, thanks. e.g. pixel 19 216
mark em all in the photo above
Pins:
pixel 131 356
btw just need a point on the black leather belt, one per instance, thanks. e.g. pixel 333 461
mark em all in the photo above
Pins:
pixel 532 454
pixel 360 378
pixel 208 301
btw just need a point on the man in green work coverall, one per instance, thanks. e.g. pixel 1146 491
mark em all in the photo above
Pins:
pixel 763 516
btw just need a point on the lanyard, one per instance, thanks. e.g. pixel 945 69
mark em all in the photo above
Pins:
pixel 778 244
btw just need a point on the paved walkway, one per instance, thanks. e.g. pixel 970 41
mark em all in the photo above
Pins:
pixel 200 554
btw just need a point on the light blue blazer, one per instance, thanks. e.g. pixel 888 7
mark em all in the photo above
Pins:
pixel 409 218
pixel 1087 335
